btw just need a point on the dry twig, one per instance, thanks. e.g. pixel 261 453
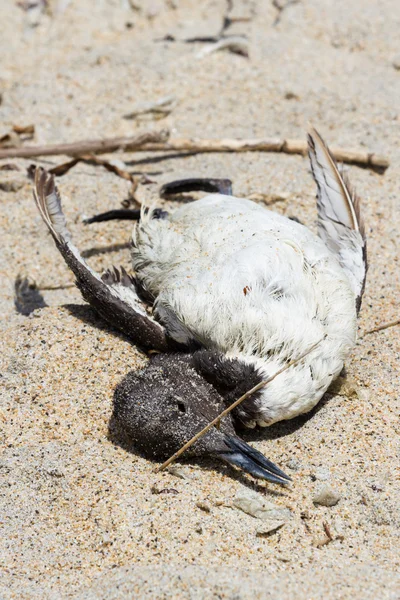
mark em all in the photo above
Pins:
pixel 225 412
pixel 288 146
pixel 158 142
pixel 105 146
pixel 327 530
pixel 157 110
pixel 91 159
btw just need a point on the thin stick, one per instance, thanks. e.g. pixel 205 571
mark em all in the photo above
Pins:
pixel 104 146
pixel 157 142
pixel 234 405
pixel 380 327
pixel 268 145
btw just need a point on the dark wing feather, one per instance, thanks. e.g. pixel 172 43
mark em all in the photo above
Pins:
pixel 114 295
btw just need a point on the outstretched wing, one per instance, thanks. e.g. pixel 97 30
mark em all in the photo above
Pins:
pixel 114 295
pixel 340 224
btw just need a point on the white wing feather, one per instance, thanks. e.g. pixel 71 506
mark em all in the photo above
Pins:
pixel 340 224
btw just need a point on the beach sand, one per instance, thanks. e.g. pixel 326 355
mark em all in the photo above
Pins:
pixel 81 516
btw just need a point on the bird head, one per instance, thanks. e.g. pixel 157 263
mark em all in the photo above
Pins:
pixel 163 406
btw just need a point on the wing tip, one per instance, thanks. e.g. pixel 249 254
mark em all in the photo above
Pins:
pixel 317 149
pixel 48 201
pixel 314 136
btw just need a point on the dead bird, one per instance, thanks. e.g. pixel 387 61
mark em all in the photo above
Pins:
pixel 236 292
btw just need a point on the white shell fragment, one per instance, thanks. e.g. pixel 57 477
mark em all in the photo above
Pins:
pixel 257 506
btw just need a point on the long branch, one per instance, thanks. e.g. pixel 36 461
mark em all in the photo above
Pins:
pixel 234 405
pixel 158 142
pixel 104 146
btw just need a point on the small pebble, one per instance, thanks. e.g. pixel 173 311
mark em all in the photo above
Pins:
pixel 326 496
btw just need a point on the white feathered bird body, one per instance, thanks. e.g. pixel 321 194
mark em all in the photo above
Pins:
pixel 256 286
pixel 241 281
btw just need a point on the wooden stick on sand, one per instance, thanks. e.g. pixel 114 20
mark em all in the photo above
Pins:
pixel 158 142
pixel 104 146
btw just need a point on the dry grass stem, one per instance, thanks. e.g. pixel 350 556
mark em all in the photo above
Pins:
pixel 381 327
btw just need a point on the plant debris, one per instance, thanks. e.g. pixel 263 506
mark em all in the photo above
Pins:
pixel 158 109
pixel 159 142
pixel 382 327
pixel 84 147
pixel 114 166
pixel 156 490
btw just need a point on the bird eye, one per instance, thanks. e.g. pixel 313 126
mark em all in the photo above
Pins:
pixel 181 406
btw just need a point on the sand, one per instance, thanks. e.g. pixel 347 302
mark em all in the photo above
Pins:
pixel 80 516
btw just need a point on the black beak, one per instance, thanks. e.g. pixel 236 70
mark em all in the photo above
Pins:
pixel 251 461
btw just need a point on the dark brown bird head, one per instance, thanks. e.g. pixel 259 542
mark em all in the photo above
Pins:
pixel 163 406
